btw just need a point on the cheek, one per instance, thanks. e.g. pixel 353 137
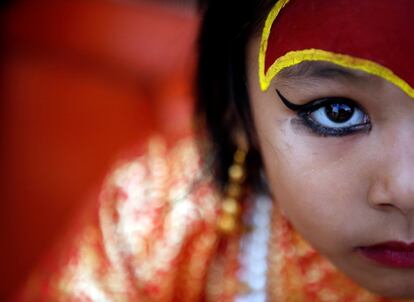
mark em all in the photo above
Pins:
pixel 317 183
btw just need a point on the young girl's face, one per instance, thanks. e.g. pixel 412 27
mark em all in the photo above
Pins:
pixel 342 169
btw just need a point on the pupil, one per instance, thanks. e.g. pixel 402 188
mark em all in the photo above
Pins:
pixel 339 113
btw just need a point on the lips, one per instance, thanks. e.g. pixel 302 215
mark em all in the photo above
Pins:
pixel 394 254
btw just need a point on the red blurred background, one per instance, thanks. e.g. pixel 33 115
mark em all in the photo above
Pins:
pixel 82 82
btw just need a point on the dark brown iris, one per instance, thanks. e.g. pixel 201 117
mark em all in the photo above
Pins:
pixel 339 113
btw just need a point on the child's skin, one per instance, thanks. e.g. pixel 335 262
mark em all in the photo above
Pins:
pixel 341 192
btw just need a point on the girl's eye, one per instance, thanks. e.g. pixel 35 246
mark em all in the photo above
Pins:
pixel 338 115
pixel 331 116
pixel 334 117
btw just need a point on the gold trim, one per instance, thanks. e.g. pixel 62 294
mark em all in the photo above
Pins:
pixel 264 82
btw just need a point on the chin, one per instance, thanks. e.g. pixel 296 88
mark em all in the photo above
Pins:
pixel 389 287
pixel 383 281
pixel 395 293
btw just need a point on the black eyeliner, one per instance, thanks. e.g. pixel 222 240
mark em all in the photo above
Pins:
pixel 291 106
pixel 338 132
pixel 303 112
pixel 313 105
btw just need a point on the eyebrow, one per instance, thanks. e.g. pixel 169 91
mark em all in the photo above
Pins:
pixel 322 70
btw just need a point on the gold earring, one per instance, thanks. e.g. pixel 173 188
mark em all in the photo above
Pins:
pixel 228 220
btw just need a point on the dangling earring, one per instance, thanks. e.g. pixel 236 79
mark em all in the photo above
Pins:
pixel 228 221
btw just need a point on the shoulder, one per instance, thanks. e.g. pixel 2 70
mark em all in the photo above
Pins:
pixel 142 193
pixel 155 209
pixel 154 232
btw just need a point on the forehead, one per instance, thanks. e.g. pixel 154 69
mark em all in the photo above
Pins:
pixel 369 36
pixel 323 70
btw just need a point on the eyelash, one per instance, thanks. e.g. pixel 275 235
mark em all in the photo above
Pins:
pixel 343 105
pixel 305 112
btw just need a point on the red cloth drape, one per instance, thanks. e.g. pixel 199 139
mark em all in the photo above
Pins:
pixel 82 81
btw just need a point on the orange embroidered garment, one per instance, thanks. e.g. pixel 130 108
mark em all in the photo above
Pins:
pixel 154 238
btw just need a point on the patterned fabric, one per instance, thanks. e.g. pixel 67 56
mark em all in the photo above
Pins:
pixel 154 238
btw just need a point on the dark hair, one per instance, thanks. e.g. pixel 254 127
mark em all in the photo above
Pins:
pixel 222 106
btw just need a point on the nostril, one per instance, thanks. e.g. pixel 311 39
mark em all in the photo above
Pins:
pixel 380 196
pixel 385 206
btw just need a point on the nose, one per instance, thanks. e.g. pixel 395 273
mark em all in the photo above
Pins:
pixel 393 184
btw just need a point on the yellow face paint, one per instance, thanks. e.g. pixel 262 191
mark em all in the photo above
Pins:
pixel 282 42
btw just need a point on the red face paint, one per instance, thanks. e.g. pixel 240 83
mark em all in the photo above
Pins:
pixel 371 35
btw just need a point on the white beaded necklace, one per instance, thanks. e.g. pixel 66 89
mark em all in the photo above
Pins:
pixel 254 249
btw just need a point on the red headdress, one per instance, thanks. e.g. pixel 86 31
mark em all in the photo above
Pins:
pixel 370 35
